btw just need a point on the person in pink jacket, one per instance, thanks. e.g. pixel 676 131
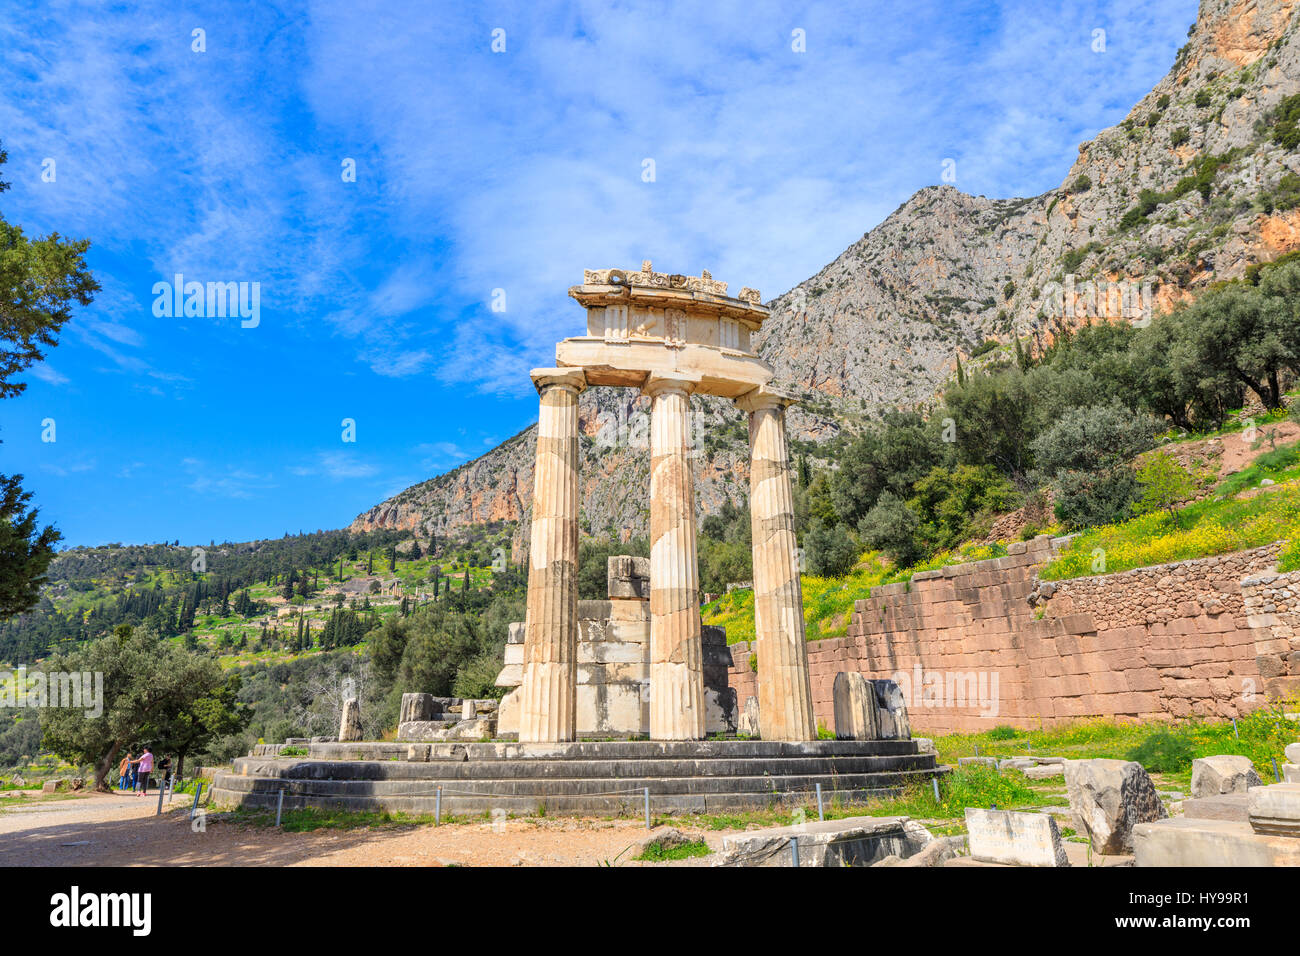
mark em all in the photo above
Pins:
pixel 144 767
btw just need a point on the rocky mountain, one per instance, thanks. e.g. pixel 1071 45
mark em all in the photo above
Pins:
pixel 1199 181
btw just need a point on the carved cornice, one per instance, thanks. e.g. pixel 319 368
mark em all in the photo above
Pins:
pixel 647 277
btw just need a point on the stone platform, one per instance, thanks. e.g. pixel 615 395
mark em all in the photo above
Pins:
pixel 596 777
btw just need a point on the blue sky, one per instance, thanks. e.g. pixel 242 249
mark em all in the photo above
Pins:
pixel 475 171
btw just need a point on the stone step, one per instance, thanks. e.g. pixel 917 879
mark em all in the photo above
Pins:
pixel 568 786
pixel 611 749
pixel 628 805
pixel 581 777
pixel 290 768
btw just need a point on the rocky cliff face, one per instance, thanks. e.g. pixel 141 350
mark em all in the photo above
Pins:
pixel 883 324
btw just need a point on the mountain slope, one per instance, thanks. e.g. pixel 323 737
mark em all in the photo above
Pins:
pixel 1191 188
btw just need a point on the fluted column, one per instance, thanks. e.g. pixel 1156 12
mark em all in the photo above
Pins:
pixel 785 710
pixel 676 653
pixel 548 696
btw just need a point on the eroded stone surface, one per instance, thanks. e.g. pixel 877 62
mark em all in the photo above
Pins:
pixel 853 841
pixel 1110 798
pixel 1275 810
pixel 1213 776
pixel 891 710
pixel 350 724
pixel 1019 839
pixel 1210 843
pixel 855 707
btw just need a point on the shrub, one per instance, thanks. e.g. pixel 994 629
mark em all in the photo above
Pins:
pixel 1165 485
pixel 891 526
pixel 830 549
pixel 955 504
pixel 1179 136
pixel 1082 183
pixel 1086 454
pixel 1203 99
pixel 657 853
pixel 1165 751
pixel 1286 123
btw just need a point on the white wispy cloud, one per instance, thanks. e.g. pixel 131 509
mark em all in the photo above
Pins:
pixel 478 171
pixel 337 465
pixel 49 375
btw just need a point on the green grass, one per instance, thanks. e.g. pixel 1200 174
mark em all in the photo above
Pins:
pixel 1280 464
pixel 1202 529
pixel 970 786
pixel 828 602
pixel 655 852
pixel 1161 747
pixel 305 820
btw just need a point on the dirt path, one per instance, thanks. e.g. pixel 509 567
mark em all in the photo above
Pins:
pixel 102 830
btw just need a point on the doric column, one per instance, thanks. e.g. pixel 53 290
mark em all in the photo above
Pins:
pixel 785 709
pixel 548 696
pixel 676 654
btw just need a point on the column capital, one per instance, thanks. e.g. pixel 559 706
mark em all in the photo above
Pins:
pixel 765 396
pixel 657 382
pixel 571 378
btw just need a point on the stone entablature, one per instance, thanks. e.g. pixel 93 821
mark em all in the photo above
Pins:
pixel 646 324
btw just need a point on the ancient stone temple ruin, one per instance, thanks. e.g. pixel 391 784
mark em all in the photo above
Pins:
pixel 640 663
pixel 672 336
pixel 614 663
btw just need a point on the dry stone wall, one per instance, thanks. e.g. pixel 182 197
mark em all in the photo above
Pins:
pixel 986 643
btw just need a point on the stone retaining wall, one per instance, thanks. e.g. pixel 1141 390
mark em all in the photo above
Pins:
pixel 1272 606
pixel 971 651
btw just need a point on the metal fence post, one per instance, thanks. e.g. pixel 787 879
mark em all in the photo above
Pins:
pixel 279 806
pixel 198 792
pixel 794 850
pixel 647 808
pixel 935 781
pixel 437 808
pixel 821 813
pixel 161 790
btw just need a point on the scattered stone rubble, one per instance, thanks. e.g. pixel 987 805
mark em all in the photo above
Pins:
pixel 427 718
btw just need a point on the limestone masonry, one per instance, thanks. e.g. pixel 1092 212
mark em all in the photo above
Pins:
pixel 1214 637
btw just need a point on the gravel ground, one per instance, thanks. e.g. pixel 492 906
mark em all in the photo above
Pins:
pixel 104 830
